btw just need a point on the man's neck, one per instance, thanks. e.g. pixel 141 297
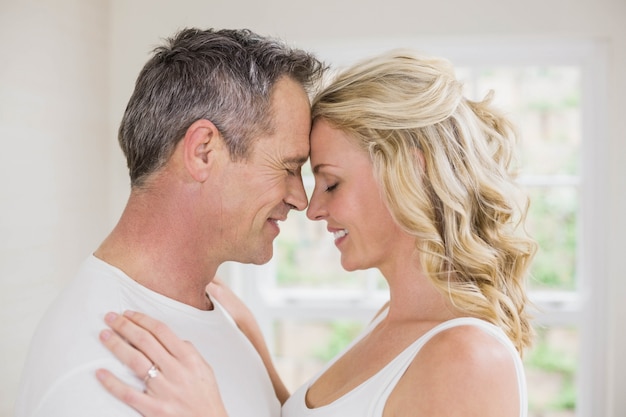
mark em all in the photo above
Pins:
pixel 161 255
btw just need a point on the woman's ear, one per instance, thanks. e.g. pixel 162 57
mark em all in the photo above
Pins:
pixel 201 143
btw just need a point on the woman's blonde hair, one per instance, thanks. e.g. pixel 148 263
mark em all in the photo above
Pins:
pixel 444 165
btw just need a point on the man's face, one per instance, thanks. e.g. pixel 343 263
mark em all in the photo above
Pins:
pixel 260 190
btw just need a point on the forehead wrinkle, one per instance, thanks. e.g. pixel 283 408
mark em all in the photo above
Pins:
pixel 278 162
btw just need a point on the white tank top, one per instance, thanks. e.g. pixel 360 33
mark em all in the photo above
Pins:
pixel 369 398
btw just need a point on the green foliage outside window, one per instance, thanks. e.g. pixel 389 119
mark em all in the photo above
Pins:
pixel 553 224
pixel 556 362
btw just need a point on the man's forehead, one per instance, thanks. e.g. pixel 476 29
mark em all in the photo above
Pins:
pixel 289 150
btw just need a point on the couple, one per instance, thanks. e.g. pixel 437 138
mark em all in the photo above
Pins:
pixel 411 178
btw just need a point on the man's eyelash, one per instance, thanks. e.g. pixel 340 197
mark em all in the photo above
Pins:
pixel 294 171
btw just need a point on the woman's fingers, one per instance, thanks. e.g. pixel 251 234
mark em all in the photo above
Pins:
pixel 138 400
pixel 160 331
pixel 135 346
pixel 185 387
pixel 128 355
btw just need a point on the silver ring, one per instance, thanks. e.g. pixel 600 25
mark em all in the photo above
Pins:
pixel 153 372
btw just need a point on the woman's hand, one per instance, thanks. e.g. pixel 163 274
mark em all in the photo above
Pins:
pixel 178 381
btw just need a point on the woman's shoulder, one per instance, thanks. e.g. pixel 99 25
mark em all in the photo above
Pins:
pixel 467 333
pixel 471 342
pixel 462 367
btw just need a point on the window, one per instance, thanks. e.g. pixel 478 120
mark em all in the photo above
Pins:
pixel 309 308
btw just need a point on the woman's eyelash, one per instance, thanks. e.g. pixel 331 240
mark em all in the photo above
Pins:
pixel 331 187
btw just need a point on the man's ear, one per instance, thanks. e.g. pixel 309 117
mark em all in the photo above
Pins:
pixel 200 143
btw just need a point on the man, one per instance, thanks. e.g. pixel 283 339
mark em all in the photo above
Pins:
pixel 214 134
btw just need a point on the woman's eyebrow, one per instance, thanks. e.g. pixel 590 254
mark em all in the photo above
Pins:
pixel 318 167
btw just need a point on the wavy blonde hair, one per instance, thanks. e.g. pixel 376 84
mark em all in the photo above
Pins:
pixel 460 200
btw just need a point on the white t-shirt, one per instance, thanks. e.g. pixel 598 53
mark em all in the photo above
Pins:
pixel 59 376
pixel 369 398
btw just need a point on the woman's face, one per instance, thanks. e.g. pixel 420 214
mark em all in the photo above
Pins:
pixel 347 196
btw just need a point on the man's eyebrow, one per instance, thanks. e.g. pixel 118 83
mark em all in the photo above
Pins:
pixel 299 160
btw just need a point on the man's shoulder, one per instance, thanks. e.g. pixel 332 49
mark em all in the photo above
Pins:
pixel 77 311
pixel 75 392
pixel 65 350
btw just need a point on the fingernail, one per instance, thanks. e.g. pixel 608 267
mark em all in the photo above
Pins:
pixel 129 313
pixel 105 335
pixel 110 317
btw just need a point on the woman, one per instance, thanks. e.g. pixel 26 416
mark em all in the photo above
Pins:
pixel 414 179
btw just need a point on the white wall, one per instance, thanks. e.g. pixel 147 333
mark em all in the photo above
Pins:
pixel 68 67
pixel 53 160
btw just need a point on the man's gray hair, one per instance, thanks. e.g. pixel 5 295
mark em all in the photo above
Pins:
pixel 224 76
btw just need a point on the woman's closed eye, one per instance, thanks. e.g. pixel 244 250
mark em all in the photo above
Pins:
pixel 331 188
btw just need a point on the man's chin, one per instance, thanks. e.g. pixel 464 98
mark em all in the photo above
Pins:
pixel 259 258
